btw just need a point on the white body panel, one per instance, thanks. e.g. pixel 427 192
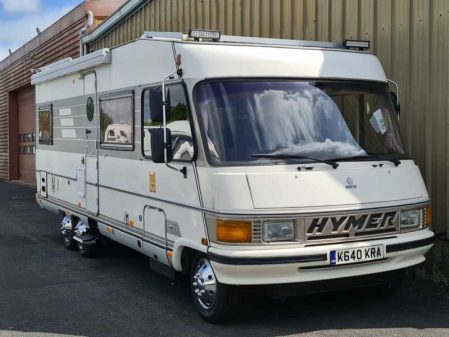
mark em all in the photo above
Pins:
pixel 159 212
pixel 208 61
pixel 292 272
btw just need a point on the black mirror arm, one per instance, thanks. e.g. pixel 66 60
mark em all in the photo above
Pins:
pixel 183 170
pixel 397 104
pixel 165 106
pixel 164 116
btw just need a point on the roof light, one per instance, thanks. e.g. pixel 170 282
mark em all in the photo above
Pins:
pixel 197 34
pixel 356 44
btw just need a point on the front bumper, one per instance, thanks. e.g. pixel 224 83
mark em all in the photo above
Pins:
pixel 306 264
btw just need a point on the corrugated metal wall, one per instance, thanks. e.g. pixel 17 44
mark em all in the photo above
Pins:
pixel 409 36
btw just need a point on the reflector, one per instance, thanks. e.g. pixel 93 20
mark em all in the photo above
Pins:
pixel 428 216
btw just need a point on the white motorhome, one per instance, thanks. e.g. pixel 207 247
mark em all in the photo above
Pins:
pixel 243 161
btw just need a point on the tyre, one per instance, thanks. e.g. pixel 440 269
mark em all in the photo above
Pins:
pixel 69 243
pixel 214 301
pixel 87 250
pixel 67 234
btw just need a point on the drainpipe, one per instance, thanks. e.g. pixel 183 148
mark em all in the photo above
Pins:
pixel 89 22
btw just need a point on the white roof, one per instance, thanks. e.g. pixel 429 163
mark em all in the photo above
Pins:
pixel 247 57
pixel 233 56
pixel 239 60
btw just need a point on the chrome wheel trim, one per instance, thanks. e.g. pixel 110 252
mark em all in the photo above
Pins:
pixel 204 284
pixel 66 229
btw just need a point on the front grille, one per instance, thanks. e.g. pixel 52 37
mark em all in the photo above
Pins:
pixel 350 226
pixel 257 231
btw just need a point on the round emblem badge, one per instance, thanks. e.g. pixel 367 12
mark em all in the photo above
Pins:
pixel 90 109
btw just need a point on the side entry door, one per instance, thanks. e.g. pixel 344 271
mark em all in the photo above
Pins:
pixel 92 141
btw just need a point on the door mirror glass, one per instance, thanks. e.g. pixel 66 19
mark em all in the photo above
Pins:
pixel 157 145
pixel 156 105
pixel 179 125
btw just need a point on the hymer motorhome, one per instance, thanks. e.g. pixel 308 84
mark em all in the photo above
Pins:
pixel 238 161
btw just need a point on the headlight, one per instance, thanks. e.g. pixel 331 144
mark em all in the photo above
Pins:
pixel 410 219
pixel 278 231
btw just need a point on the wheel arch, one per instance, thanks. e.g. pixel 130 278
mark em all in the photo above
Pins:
pixel 183 253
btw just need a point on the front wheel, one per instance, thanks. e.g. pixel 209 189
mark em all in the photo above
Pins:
pixel 215 302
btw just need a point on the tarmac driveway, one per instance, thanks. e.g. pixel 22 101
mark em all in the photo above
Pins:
pixel 46 290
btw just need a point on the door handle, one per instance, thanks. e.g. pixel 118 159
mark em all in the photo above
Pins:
pixel 88 132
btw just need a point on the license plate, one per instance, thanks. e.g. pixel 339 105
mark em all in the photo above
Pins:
pixel 356 255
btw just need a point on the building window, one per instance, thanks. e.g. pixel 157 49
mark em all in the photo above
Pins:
pixel 45 126
pixel 117 121
pixel 182 143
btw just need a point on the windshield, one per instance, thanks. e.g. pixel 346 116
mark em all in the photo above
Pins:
pixel 321 120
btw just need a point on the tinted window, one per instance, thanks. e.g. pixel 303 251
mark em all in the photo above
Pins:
pixel 116 120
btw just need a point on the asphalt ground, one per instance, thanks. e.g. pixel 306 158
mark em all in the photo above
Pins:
pixel 46 290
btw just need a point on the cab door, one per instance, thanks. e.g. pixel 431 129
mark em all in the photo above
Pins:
pixel 163 223
pixel 91 142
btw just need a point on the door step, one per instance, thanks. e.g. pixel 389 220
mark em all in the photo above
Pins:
pixel 162 269
pixel 86 239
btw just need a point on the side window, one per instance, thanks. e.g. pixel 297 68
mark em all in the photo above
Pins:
pixel 117 121
pixel 46 125
pixel 178 124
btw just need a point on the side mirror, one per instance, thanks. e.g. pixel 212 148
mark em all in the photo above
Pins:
pixel 157 105
pixel 396 105
pixel 157 145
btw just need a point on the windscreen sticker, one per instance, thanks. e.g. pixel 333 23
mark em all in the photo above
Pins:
pixel 377 122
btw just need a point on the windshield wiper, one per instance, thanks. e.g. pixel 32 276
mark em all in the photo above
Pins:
pixel 390 158
pixel 292 156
